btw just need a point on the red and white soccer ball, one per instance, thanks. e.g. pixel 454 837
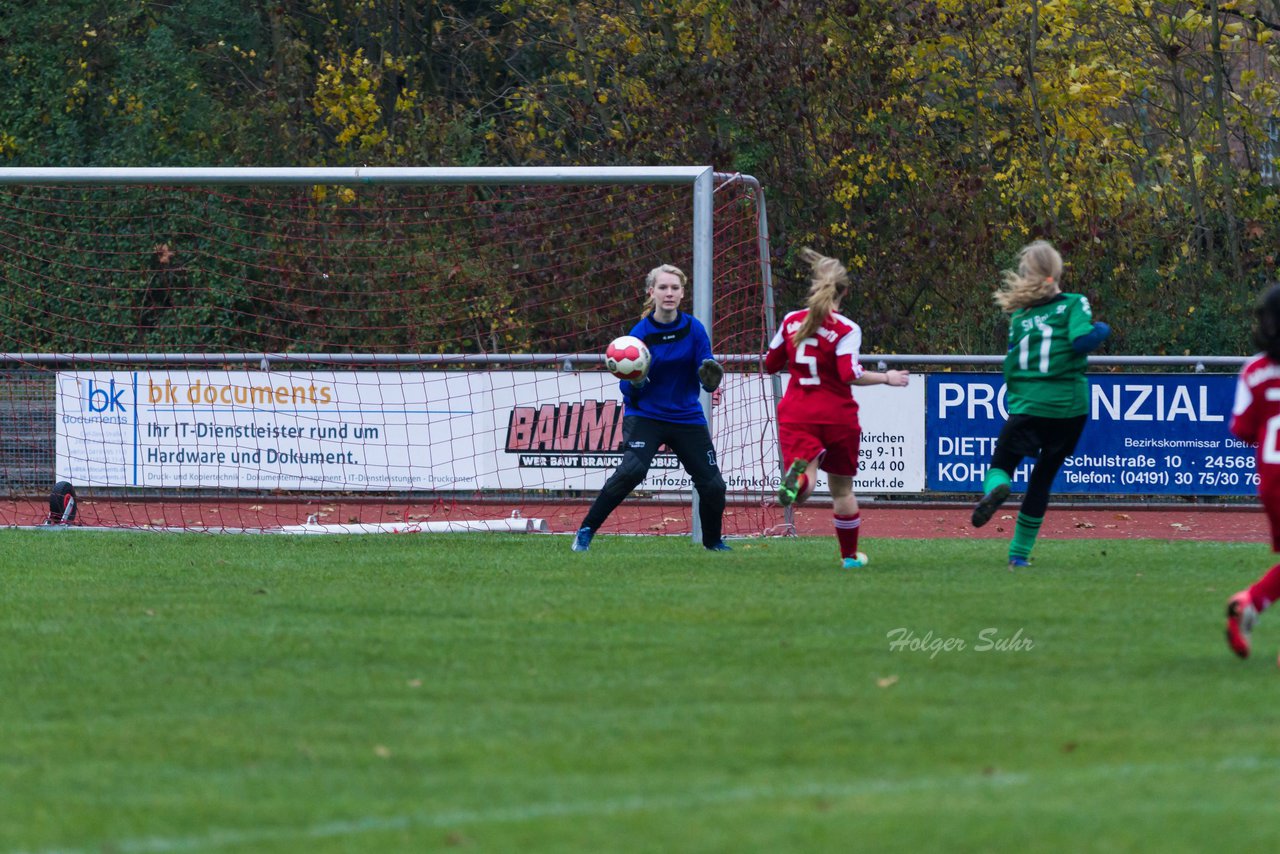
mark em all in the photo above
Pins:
pixel 627 358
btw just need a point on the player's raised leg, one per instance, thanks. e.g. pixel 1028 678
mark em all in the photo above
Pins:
pixel 1241 618
pixel 792 482
pixel 803 447
pixel 1244 608
pixel 995 491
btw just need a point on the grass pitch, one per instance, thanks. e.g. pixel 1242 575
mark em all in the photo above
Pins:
pixel 183 693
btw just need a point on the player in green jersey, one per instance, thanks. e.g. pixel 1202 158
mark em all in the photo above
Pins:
pixel 1047 394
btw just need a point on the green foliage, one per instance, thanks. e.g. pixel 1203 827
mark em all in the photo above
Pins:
pixel 110 84
pixel 921 142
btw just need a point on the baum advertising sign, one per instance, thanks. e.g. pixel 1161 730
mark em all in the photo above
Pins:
pixel 571 434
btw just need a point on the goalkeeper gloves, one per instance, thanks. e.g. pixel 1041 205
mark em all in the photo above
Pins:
pixel 710 374
pixel 640 383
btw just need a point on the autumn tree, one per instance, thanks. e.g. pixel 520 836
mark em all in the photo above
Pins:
pixel 923 141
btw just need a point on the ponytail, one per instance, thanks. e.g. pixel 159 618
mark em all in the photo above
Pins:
pixel 830 283
pixel 1036 279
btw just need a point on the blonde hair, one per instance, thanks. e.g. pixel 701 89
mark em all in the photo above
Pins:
pixel 1036 279
pixel 652 279
pixel 830 283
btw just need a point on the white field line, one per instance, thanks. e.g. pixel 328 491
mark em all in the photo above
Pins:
pixel 672 802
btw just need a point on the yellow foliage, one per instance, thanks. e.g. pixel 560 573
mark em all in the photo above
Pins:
pixel 346 99
pixel 406 100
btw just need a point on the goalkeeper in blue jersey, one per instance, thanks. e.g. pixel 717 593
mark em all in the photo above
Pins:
pixel 664 408
pixel 1047 394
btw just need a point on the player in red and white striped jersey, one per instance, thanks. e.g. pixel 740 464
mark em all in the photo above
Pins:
pixel 1255 418
pixel 818 416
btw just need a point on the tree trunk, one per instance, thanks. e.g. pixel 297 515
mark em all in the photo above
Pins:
pixel 1222 168
pixel 1185 132
pixel 1037 115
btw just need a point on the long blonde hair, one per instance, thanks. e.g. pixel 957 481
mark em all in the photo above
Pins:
pixel 652 279
pixel 830 283
pixel 1036 279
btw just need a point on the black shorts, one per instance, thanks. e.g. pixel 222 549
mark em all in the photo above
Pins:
pixel 1037 436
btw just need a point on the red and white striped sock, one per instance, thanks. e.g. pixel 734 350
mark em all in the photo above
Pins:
pixel 847 533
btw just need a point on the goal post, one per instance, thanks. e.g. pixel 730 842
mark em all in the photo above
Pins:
pixel 372 348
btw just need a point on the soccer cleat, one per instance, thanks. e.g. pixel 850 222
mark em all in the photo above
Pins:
pixel 1018 563
pixel 582 540
pixel 989 504
pixel 790 489
pixel 858 561
pixel 720 546
pixel 1241 617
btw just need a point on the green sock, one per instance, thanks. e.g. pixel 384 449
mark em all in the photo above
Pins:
pixel 994 478
pixel 1024 535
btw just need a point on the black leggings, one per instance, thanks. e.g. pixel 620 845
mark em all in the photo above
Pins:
pixel 641 438
pixel 1050 440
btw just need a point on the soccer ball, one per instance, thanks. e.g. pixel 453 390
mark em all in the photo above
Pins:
pixel 627 358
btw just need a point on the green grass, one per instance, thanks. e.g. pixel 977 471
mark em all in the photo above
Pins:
pixel 180 693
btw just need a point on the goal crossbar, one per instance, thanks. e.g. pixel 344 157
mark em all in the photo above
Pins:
pixel 353 175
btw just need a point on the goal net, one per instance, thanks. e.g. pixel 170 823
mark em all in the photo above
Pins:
pixel 333 350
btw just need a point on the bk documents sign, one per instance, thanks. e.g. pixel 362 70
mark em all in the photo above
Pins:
pixel 259 430
pixel 1147 434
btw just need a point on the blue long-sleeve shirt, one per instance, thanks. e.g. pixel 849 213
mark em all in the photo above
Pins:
pixel 1091 341
pixel 678 349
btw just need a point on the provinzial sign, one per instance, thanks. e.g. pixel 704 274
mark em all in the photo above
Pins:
pixel 1159 434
